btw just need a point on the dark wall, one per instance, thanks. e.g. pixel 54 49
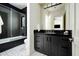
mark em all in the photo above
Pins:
pixel 4 27
pixel 12 26
pixel 15 23
pixel 11 6
pixel 25 11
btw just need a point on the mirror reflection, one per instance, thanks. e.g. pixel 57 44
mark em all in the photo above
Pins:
pixel 54 17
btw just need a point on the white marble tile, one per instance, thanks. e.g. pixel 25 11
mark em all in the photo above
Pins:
pixel 19 51
pixel 37 54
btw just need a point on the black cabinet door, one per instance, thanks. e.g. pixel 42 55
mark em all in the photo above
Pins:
pixel 61 51
pixel 60 46
pixel 66 47
pixel 54 45
pixel 46 45
pixel 38 42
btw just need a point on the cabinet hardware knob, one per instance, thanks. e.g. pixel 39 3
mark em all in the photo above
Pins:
pixel 71 39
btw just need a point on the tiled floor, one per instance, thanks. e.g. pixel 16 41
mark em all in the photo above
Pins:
pixel 19 51
pixel 37 54
pixel 16 51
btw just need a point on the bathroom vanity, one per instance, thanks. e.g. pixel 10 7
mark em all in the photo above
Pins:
pixel 53 42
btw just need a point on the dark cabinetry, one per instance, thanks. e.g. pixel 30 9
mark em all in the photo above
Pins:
pixel 52 44
pixel 46 45
pixel 39 44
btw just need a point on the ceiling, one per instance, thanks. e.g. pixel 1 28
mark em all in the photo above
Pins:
pixel 55 8
pixel 19 5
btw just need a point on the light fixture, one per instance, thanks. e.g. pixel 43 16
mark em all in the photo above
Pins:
pixel 52 5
